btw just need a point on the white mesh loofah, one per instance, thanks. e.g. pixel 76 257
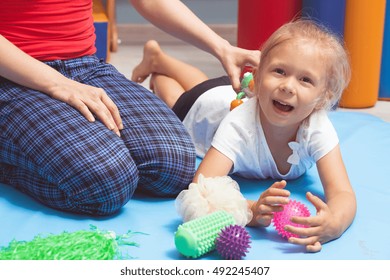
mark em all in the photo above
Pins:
pixel 210 195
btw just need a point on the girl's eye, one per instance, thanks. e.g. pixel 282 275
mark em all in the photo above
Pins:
pixel 279 71
pixel 307 80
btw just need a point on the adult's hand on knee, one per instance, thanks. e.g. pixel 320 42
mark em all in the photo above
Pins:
pixel 90 102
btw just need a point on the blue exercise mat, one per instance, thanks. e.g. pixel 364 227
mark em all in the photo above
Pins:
pixel 365 145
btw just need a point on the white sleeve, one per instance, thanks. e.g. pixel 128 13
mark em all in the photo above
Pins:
pixel 236 134
pixel 323 137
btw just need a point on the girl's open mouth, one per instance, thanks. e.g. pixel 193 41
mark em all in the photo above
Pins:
pixel 282 106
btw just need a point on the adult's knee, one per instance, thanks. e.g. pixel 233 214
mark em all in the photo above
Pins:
pixel 102 190
pixel 171 172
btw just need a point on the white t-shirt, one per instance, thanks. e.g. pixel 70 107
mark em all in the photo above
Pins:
pixel 238 135
pixel 205 115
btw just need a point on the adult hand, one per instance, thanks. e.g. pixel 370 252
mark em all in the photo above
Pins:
pixel 89 101
pixel 234 60
pixel 175 18
pixel 23 69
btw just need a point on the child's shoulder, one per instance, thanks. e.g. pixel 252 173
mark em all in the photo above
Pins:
pixel 317 128
pixel 318 120
pixel 319 134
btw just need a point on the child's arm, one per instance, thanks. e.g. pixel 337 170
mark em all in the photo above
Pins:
pixel 214 164
pixel 334 216
pixel 212 190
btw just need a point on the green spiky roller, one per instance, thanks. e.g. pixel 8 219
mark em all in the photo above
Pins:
pixel 197 237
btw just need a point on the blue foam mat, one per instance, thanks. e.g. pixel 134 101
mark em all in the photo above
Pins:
pixel 365 145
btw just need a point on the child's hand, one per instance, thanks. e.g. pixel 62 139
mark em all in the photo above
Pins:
pixel 269 201
pixel 322 227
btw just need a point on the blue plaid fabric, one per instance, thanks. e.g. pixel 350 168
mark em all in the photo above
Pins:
pixel 51 152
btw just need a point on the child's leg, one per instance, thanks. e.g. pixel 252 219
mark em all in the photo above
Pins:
pixel 166 88
pixel 155 60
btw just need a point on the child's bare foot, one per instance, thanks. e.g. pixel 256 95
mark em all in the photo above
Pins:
pixel 145 67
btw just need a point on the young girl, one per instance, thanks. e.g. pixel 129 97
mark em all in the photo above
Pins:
pixel 279 133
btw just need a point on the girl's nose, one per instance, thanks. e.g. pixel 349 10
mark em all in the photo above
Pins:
pixel 288 86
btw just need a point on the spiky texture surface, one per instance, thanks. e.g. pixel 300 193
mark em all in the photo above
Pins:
pixel 233 242
pixel 197 237
pixel 281 219
pixel 80 245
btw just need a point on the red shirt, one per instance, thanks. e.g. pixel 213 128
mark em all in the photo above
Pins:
pixel 49 29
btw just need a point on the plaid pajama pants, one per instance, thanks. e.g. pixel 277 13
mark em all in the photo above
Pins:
pixel 51 152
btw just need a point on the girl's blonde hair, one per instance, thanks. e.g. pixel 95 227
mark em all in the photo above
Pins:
pixel 331 47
